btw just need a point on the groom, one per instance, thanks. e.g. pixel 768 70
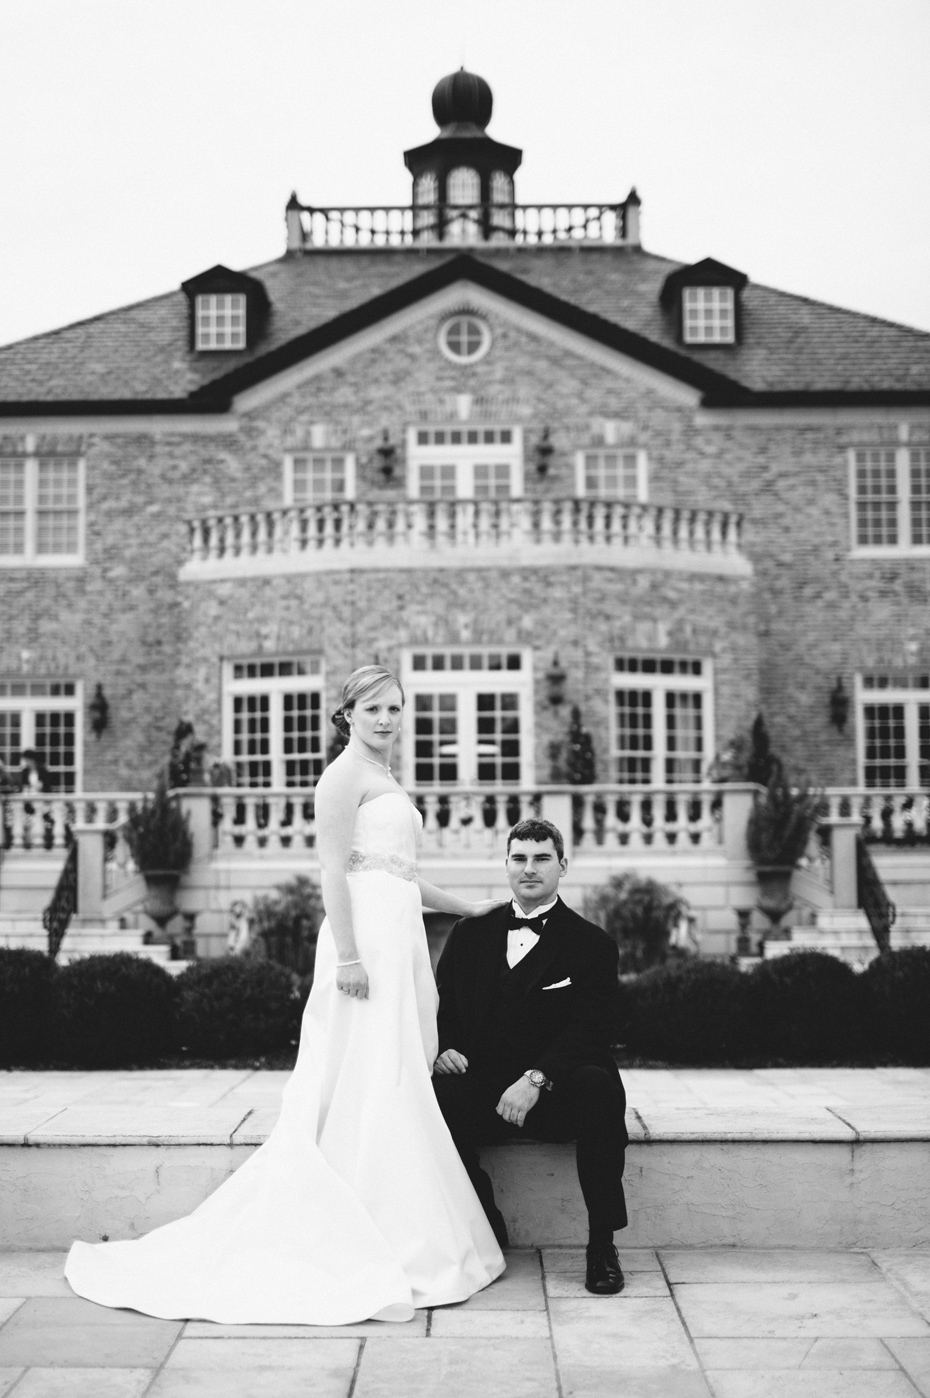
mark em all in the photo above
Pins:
pixel 528 1004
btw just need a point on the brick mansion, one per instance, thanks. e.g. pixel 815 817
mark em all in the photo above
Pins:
pixel 500 447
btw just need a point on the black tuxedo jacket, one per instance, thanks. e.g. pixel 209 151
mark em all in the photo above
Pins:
pixel 556 1010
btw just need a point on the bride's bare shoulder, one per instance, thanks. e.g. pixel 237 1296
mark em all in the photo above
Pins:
pixel 341 781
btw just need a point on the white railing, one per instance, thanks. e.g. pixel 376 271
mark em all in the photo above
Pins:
pixel 893 816
pixel 418 528
pixel 34 822
pixel 403 225
pixel 476 820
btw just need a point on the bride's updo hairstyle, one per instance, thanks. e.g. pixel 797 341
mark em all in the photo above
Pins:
pixel 367 682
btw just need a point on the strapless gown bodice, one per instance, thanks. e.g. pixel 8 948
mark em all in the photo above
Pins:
pixel 385 836
pixel 357 1205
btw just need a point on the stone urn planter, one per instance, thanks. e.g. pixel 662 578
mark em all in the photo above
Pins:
pixel 161 900
pixel 774 895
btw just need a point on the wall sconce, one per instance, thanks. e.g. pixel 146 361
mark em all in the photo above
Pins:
pixel 544 450
pixel 839 706
pixel 555 680
pixel 387 452
pixel 99 711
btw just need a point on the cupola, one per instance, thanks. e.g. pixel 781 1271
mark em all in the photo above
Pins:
pixel 463 180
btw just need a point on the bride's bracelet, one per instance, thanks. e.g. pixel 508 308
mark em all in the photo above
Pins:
pixel 341 964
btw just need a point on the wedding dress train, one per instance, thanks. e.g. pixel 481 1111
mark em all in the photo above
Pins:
pixel 357 1206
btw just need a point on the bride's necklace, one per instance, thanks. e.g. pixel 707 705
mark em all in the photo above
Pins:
pixel 382 765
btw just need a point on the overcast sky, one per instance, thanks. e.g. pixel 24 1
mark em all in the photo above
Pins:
pixel 145 140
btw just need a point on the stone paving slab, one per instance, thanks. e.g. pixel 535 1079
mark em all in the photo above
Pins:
pixel 725 1324
pixel 740 1104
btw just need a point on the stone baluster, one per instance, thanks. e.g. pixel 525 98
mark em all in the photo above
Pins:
pixel 260 532
pixel 431 831
pixel 214 528
pixel 611 823
pixel 273 810
pixel 683 530
pixel 230 537
pixel 465 523
pixel 249 828
pixel 483 532
pixel 59 823
pixel 17 818
pixel 636 830
pixel 445 524
pixel 666 532
pixel 198 539
pixel 420 524
pixel 898 815
pixel 227 829
pixel 600 528
pixel 919 814
pixel 326 524
pixel 546 521
pixel 381 524
pixel 716 531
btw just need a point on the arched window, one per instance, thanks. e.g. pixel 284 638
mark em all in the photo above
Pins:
pixel 463 189
pixel 425 199
pixel 463 186
pixel 426 188
pixel 501 188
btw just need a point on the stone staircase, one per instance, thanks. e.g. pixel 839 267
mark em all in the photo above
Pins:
pixel 23 930
pixel 846 934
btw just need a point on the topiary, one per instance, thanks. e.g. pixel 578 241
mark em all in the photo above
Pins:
pixel 690 1010
pixel 114 1011
pixel 235 1006
pixel 896 1001
pixel 806 1006
pixel 640 914
pixel 27 981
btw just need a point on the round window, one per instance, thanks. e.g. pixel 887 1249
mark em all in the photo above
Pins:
pixel 464 339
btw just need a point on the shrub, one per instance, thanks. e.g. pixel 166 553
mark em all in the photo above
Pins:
pixel 235 1007
pixel 114 1011
pixel 158 834
pixel 287 921
pixel 26 989
pixel 896 1002
pixel 805 1006
pixel 640 914
pixel 688 1011
pixel 781 822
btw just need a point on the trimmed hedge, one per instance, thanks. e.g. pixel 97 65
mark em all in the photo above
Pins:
pixel 113 1011
pixel 688 1011
pixel 121 1011
pixel 235 1007
pixel 806 1007
pixel 26 988
pixel 896 991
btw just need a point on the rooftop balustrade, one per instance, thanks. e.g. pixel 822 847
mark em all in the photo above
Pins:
pixel 463 533
pixel 312 229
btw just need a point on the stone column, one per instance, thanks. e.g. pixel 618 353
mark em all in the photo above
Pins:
pixel 557 808
pixel 843 832
pixel 90 872
pixel 197 805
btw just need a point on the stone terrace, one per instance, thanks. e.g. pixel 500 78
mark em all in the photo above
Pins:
pixel 690 1324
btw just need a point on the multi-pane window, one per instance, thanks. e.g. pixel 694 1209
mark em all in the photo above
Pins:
pixel 463 189
pixel 221 321
pixel 662 725
pixel 320 475
pixel 709 315
pixel 468 717
pixel 891 497
pixel 273 722
pixel 611 475
pixel 463 186
pixel 472 463
pixel 42 716
pixel 41 510
pixel 894 730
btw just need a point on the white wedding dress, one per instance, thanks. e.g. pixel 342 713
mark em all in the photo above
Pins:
pixel 357 1206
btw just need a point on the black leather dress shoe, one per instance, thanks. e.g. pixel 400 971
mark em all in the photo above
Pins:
pixel 603 1274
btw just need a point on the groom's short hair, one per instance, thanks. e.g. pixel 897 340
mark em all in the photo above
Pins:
pixel 539 831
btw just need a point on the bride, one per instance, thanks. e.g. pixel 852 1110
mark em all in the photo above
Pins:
pixel 357 1206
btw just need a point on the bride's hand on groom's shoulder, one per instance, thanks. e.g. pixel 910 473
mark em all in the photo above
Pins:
pixel 485 905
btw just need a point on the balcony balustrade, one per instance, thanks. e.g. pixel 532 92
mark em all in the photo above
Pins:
pixel 890 816
pixel 314 229
pixel 463 533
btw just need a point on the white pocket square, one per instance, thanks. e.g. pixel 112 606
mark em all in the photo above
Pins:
pixel 558 985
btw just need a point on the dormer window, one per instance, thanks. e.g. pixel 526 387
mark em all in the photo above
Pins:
pixel 227 310
pixel 709 315
pixel 221 322
pixel 704 303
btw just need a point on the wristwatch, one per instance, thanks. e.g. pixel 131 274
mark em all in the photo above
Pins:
pixel 537 1078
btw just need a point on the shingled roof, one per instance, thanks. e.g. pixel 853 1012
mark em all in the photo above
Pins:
pixel 793 349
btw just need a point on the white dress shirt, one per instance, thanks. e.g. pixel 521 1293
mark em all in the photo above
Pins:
pixel 520 940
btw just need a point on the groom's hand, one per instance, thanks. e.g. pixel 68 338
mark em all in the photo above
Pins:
pixel 520 1098
pixel 451 1062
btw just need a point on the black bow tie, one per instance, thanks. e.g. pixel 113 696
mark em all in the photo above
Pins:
pixel 535 923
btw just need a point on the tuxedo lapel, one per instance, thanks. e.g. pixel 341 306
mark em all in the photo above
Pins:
pixel 535 965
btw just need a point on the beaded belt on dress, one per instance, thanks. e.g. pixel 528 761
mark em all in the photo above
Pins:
pixel 383 863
